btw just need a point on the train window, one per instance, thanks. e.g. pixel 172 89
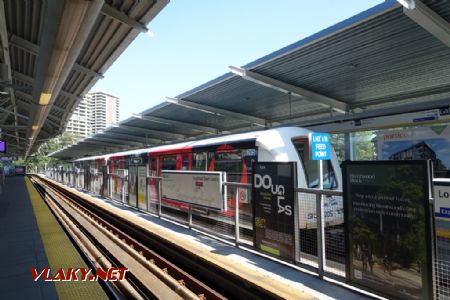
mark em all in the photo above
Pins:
pixel 233 164
pixel 169 163
pixel 311 167
pixel 185 162
pixel 199 161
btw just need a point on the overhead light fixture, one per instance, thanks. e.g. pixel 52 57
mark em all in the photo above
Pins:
pixel 45 98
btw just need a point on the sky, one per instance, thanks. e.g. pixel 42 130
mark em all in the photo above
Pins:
pixel 192 42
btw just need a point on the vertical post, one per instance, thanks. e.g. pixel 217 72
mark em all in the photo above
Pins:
pixel 159 197
pixel 123 189
pixel 349 147
pixel 236 218
pixel 296 223
pixel 109 186
pixel 190 216
pixel 320 225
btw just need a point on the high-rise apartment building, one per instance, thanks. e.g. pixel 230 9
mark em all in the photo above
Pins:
pixel 95 112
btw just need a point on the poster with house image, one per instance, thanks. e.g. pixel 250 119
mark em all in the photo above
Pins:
pixel 431 142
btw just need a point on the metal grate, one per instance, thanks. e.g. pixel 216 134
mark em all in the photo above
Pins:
pixel 307 229
pixel 442 279
pixel 334 235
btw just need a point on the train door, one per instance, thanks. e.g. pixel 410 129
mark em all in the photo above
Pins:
pixel 87 177
pixel 104 189
pixel 153 186
pixel 142 186
pixel 132 185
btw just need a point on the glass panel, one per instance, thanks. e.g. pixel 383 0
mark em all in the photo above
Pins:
pixel 199 161
pixel 169 163
pixel 311 167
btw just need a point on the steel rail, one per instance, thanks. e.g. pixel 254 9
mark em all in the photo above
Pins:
pixel 142 256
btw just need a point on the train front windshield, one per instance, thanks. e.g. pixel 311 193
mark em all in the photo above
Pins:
pixel 311 167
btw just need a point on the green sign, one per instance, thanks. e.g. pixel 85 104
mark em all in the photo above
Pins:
pixel 388 224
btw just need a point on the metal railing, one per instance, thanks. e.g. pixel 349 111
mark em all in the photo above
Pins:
pixel 321 238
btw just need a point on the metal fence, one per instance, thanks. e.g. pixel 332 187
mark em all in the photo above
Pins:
pixel 321 239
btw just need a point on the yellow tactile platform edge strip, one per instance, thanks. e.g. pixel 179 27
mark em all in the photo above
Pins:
pixel 270 284
pixel 61 252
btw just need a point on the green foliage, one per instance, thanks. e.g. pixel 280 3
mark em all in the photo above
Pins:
pixel 363 144
pixel 38 160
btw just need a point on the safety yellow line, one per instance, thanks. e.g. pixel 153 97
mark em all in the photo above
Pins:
pixel 270 284
pixel 61 252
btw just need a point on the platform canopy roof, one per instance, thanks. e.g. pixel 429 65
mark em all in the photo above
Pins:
pixel 392 58
pixel 52 52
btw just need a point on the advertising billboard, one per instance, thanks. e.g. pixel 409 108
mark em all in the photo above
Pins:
pixel 200 188
pixel 273 208
pixel 428 142
pixel 388 226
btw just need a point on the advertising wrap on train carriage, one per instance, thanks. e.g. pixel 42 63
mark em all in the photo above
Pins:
pixel 427 142
pixel 142 187
pixel 273 208
pixel 199 188
pixel 389 227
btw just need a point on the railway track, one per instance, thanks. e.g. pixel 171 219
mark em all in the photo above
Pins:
pixel 157 270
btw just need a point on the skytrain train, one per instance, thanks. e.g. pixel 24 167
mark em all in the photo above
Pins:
pixel 118 175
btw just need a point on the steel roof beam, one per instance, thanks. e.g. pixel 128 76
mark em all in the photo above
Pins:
pixel 95 142
pixel 137 130
pixel 142 140
pixel 87 71
pixel 427 19
pixel 284 87
pixel 118 141
pixel 111 12
pixel 215 110
pixel 13 136
pixel 24 44
pixel 179 124
pixel 168 135
pixel 13 127
pixel 22 77
pixel 24 95
pixel 70 95
pixel 17 114
pixel 6 58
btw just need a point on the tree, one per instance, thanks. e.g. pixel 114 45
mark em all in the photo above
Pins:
pixel 363 144
pixel 38 160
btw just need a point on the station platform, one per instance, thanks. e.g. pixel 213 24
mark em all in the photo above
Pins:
pixel 31 237
pixel 287 281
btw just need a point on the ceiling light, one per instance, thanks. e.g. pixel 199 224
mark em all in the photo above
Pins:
pixel 45 98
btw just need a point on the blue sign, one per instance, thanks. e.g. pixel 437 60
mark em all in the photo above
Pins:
pixel 320 146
